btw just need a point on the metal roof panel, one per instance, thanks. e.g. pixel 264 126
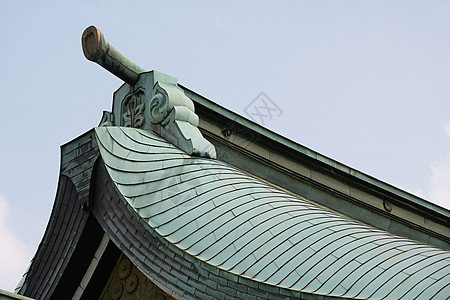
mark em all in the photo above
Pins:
pixel 246 226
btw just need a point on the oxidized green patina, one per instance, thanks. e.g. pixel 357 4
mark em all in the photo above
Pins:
pixel 253 229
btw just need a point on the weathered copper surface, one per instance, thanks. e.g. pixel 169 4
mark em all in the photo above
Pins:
pixel 98 50
pixel 250 228
pixel 202 228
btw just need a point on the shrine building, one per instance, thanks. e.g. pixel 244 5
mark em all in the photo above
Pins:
pixel 173 196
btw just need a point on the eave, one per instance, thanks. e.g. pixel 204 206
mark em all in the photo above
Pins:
pixel 312 175
pixel 128 194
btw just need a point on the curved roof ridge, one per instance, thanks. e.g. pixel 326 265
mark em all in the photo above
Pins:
pixel 243 225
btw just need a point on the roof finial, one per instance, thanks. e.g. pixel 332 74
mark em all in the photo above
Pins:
pixel 98 50
pixel 148 100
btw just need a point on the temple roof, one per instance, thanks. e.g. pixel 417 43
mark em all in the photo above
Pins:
pixel 201 203
pixel 249 227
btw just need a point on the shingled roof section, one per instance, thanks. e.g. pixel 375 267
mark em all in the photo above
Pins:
pixel 164 201
pixel 200 228
pixel 252 229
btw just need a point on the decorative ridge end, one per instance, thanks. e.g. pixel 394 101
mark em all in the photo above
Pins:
pixel 148 100
pixel 173 117
pixel 157 103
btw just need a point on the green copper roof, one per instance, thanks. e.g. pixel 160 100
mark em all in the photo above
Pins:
pixel 246 226
pixel 297 148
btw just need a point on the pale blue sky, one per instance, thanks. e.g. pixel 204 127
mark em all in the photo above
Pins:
pixel 363 82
